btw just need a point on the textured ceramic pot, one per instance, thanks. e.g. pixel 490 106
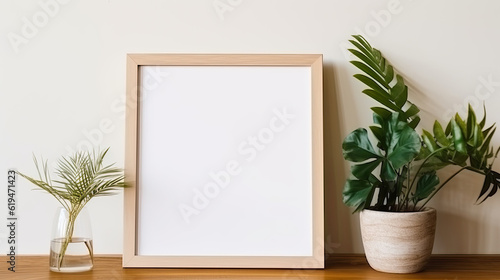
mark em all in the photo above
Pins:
pixel 398 242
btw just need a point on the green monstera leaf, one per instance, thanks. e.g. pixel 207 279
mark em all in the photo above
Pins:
pixel 357 146
pixel 357 192
pixel 403 145
pixel 402 142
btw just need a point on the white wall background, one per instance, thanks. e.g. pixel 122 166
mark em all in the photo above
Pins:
pixel 63 78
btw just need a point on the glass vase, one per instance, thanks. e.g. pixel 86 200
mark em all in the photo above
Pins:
pixel 71 248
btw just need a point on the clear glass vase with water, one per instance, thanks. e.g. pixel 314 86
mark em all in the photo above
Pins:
pixel 71 248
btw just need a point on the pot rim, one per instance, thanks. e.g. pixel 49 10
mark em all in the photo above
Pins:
pixel 425 210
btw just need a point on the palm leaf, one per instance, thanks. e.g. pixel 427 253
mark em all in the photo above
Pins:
pixel 384 85
pixel 81 177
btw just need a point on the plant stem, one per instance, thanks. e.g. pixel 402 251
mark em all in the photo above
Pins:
pixel 68 238
pixel 410 186
pixel 447 180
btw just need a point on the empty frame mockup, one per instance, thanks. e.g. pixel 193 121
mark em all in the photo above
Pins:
pixel 224 161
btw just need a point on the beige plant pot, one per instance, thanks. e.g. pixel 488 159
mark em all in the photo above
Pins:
pixel 398 242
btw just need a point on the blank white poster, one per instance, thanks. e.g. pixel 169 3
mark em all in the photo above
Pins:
pixel 224 164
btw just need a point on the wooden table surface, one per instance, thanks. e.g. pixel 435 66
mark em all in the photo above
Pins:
pixel 338 267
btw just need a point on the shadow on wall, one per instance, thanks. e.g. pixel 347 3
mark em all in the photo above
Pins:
pixel 426 102
pixel 337 216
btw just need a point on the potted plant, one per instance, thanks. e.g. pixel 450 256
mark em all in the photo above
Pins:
pixel 393 171
pixel 82 176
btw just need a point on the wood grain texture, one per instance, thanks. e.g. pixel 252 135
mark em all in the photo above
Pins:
pixel 225 59
pixel 338 267
pixel 130 206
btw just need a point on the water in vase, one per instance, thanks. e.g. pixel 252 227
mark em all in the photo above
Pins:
pixel 77 258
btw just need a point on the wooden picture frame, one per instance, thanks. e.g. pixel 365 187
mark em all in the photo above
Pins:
pixel 224 161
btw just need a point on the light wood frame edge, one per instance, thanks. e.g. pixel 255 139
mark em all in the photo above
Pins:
pixel 134 61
